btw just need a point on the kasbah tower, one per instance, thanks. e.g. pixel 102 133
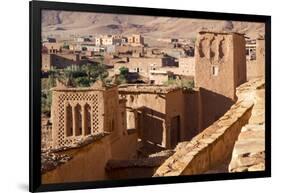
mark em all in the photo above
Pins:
pixel 220 66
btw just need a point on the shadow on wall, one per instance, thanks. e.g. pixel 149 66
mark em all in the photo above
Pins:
pixel 213 106
pixel 150 124
pixel 191 115
pixel 132 172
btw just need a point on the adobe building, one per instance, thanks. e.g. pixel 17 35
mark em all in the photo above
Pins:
pixel 128 49
pixel 256 59
pixel 165 115
pixel 60 60
pixel 143 65
pixel 49 39
pixel 162 115
pixel 108 40
pixel 135 116
pixel 255 55
pixel 82 39
pixel 158 77
pixel 89 129
pixel 79 112
pixel 85 47
pixel 175 52
pixel 135 40
pixel 220 62
pixel 251 49
pixel 52 47
pixel 220 66
pixel 186 67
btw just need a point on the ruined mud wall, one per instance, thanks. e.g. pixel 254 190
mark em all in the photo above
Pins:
pixel 88 163
pixel 146 112
pixel 163 118
pixel 215 144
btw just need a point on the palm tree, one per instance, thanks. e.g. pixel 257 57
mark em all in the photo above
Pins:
pixel 95 72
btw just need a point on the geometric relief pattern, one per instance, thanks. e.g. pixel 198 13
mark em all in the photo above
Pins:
pixel 79 98
pixel 213 47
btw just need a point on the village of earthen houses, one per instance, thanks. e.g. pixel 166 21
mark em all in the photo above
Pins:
pixel 128 96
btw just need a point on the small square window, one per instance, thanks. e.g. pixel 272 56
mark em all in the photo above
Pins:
pixel 215 70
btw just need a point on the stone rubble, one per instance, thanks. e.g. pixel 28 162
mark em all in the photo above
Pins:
pixel 53 157
pixel 50 161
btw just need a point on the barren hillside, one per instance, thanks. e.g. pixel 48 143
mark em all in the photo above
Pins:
pixel 64 23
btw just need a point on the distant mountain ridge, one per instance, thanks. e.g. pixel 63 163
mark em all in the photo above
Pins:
pixel 64 23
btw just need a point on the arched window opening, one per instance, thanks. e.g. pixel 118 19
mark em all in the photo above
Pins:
pixel 87 127
pixel 69 121
pixel 78 120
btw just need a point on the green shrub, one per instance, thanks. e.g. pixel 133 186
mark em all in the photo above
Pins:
pixel 183 83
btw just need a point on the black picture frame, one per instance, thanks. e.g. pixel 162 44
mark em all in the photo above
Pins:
pixel 35 92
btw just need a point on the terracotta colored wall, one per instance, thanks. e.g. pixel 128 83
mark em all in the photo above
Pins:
pixel 150 115
pixel 239 50
pixel 124 147
pixel 111 111
pixel 187 66
pixel 212 107
pixel 191 114
pixel 143 64
pixel 88 162
pixel 158 78
pixel 213 147
pixel 174 108
pixel 218 152
pixel 223 52
pixel 125 49
pixel 210 148
pixel 155 113
pixel 51 46
pixel 61 98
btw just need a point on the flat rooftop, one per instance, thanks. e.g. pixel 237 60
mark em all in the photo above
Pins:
pixel 97 86
pixel 146 88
